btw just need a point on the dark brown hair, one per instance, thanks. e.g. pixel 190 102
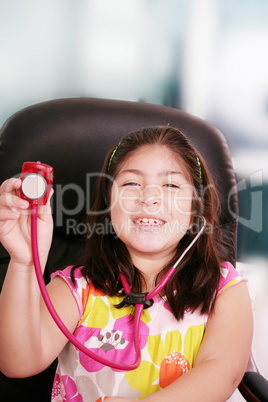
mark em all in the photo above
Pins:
pixel 196 279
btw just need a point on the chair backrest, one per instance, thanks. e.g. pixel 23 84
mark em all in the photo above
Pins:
pixel 73 135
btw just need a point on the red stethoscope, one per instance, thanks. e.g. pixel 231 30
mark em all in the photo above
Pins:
pixel 36 184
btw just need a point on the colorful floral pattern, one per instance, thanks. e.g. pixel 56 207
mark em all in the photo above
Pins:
pixel 168 347
pixel 172 367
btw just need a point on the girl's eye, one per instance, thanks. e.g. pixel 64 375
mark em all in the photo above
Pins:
pixel 131 183
pixel 171 185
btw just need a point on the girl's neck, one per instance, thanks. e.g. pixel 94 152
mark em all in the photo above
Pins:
pixel 150 267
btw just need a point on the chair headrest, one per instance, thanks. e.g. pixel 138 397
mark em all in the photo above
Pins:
pixel 73 135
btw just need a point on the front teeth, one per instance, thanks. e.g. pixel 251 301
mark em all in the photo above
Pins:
pixel 147 221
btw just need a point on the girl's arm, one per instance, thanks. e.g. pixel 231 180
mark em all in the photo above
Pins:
pixel 28 339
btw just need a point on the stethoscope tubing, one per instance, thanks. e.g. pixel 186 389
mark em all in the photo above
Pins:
pixel 61 325
pixel 138 307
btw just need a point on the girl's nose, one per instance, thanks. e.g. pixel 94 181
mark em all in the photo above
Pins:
pixel 150 195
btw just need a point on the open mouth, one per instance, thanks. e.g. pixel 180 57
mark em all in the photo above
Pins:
pixel 149 221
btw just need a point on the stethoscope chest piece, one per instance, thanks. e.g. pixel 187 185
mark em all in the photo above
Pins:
pixel 34 186
pixel 36 182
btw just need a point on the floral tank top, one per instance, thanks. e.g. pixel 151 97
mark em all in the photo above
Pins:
pixel 168 347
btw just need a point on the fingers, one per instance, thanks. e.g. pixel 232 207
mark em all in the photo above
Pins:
pixel 11 205
pixel 10 185
pixel 8 194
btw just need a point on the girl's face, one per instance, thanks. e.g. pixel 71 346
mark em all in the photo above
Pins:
pixel 151 203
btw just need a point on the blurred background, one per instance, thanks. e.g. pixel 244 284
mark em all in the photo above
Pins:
pixel 207 57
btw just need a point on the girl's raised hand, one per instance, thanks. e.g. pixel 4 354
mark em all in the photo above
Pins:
pixel 15 225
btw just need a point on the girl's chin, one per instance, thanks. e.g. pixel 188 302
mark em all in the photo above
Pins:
pixel 148 247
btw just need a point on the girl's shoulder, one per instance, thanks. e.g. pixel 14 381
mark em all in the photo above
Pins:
pixel 229 277
pixel 68 272
pixel 80 287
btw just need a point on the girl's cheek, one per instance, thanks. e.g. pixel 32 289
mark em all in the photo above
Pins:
pixel 182 203
pixel 127 200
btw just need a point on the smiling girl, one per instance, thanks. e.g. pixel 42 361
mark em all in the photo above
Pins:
pixel 156 193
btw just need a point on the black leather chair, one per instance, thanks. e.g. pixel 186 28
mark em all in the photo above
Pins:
pixel 73 135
